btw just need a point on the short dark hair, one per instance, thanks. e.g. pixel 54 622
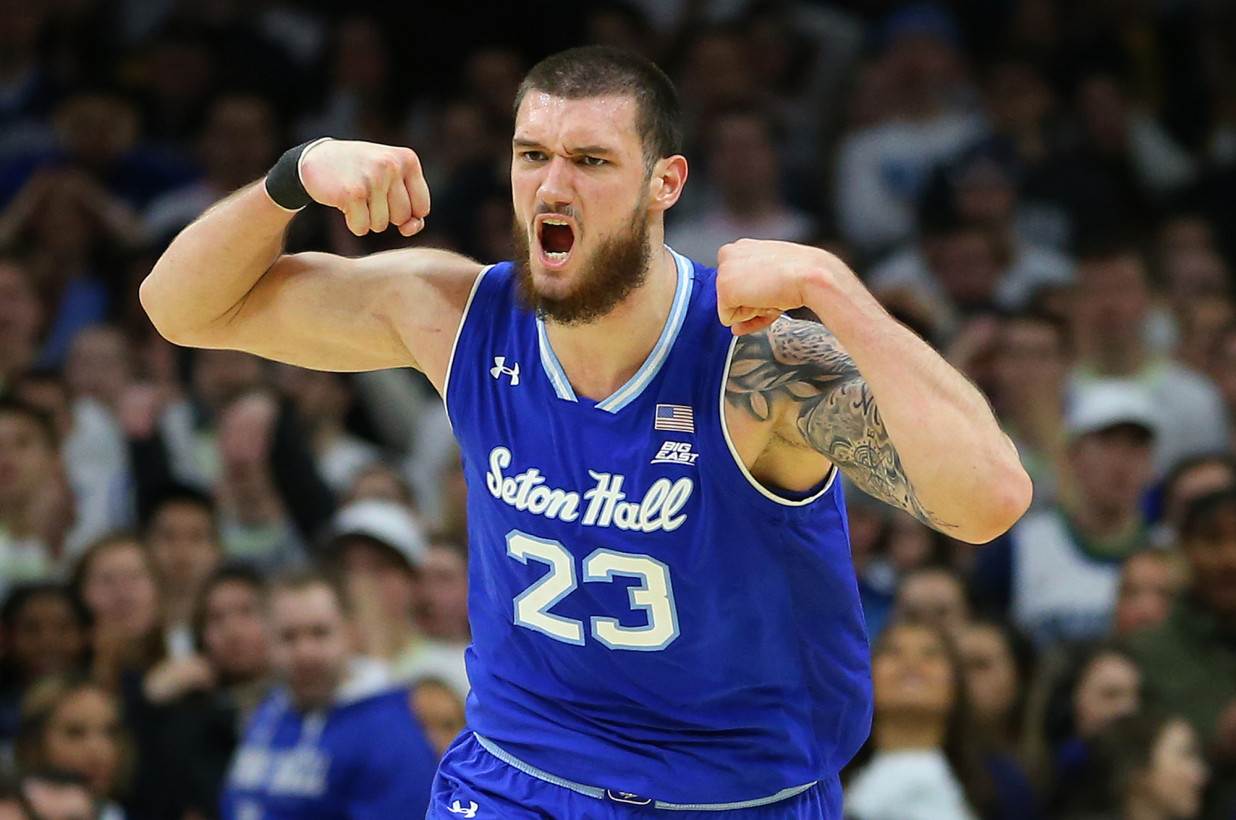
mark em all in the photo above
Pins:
pixel 231 573
pixel 596 71
pixel 13 406
pixel 178 494
pixel 1202 515
pixel 304 578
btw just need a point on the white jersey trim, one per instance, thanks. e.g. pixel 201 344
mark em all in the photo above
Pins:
pixel 450 363
pixel 764 491
pixel 630 391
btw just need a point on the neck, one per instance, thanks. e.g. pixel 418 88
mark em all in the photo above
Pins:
pixel 601 356
pixel 905 734
pixel 1124 358
pixel 1103 521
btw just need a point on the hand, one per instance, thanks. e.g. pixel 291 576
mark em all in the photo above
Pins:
pixel 758 280
pixel 176 677
pixel 246 429
pixel 374 185
pixel 141 405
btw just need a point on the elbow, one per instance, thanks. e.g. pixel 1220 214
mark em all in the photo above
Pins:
pixel 155 302
pixel 1007 499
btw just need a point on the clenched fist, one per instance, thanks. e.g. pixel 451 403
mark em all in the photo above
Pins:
pixel 374 185
pixel 758 280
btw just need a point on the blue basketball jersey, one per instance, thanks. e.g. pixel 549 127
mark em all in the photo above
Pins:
pixel 646 617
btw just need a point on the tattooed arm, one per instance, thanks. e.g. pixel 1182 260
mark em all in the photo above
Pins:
pixel 797 371
pixel 859 391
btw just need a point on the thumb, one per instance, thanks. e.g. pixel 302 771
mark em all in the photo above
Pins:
pixel 754 325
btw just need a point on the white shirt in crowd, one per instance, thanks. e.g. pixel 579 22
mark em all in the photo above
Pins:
pixel 912 784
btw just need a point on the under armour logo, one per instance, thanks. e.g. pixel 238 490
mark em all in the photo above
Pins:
pixel 500 368
pixel 457 808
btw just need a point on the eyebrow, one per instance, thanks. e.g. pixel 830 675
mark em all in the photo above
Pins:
pixel 594 150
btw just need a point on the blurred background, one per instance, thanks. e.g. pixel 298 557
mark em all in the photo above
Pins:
pixel 1044 190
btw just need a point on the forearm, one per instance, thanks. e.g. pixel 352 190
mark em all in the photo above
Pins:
pixel 962 471
pixel 213 263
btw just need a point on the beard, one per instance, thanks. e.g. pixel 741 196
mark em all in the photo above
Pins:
pixel 607 276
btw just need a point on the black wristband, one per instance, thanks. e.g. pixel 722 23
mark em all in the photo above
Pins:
pixel 283 184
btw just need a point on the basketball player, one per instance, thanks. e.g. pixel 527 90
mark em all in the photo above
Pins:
pixel 665 618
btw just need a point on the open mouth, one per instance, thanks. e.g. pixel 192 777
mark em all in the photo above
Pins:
pixel 557 238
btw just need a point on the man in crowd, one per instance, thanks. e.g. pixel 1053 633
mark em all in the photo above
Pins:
pixel 1059 569
pixel 310 748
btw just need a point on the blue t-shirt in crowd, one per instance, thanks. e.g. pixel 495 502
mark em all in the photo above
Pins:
pixel 364 758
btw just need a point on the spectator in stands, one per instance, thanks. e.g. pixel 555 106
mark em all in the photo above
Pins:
pixel 114 579
pixel 45 631
pixel 999 664
pixel 933 595
pixel 359 101
pixel 921 759
pixel 236 146
pixel 1030 359
pixel 76 725
pixel 1150 583
pixel 1222 368
pixel 1189 480
pixel 1189 661
pixel 1133 148
pixel 310 747
pixel 744 169
pixel 881 170
pixel 1061 566
pixel 1144 766
pixel 35 504
pixel 72 235
pixel 182 537
pixel 1100 683
pixel 1063 199
pixel 194 709
pixel 21 316
pixel 445 581
pixel 1109 322
pixel 97 372
pixel 380 551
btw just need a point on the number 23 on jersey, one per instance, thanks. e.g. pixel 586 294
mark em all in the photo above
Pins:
pixel 655 595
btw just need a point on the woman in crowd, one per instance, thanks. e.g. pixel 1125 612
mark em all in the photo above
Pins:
pixel 1105 684
pixel 1143 767
pixel 114 579
pixel 75 725
pixel 920 760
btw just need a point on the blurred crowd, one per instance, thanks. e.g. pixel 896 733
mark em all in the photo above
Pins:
pixel 197 547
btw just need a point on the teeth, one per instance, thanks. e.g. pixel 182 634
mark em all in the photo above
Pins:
pixel 556 256
pixel 558 222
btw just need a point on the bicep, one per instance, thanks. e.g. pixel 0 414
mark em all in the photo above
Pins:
pixel 798 377
pixel 327 312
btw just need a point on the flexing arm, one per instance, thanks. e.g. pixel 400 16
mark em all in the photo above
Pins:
pixel 873 399
pixel 224 282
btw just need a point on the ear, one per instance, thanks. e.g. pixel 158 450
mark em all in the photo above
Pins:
pixel 665 184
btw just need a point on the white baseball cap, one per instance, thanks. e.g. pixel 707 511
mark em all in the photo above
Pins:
pixel 1101 405
pixel 387 522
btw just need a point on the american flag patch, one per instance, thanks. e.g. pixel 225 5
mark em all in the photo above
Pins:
pixel 674 417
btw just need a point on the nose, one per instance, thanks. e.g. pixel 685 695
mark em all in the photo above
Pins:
pixel 556 185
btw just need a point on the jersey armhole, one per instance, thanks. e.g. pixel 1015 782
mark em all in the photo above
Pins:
pixel 450 363
pixel 766 493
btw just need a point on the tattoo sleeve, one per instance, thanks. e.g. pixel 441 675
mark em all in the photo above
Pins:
pixel 836 415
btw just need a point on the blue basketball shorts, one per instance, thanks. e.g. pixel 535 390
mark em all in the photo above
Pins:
pixel 474 784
